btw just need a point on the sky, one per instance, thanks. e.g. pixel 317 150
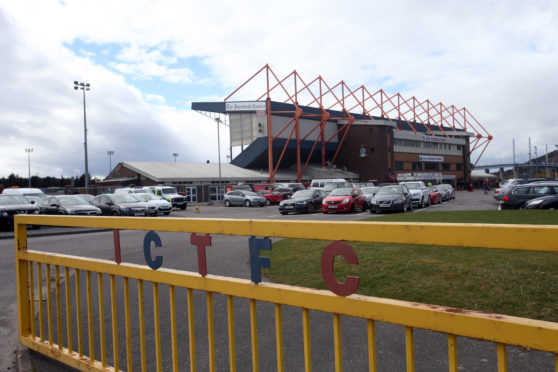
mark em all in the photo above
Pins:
pixel 146 61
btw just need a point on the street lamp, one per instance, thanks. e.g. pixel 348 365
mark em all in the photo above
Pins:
pixel 110 153
pixel 218 121
pixel 175 154
pixel 29 151
pixel 84 87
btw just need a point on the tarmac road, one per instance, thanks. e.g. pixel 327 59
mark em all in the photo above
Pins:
pixel 228 256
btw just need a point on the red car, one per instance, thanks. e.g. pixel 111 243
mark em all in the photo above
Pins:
pixel 271 196
pixel 434 195
pixel 344 200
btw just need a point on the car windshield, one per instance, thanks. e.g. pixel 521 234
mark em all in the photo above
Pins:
pixel 303 194
pixel 390 190
pixel 72 200
pixel 13 200
pixel 413 185
pixel 369 190
pixel 342 192
pixel 169 190
pixel 123 198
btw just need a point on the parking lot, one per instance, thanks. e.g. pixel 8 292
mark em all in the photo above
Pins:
pixel 228 256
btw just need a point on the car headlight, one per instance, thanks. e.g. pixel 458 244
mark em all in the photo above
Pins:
pixel 373 202
pixel 302 202
pixel 125 209
pixel 36 211
pixel 324 202
pixel 4 214
pixel 398 201
pixel 71 212
pixel 345 201
pixel 534 202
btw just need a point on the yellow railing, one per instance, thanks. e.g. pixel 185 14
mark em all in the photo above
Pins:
pixel 85 348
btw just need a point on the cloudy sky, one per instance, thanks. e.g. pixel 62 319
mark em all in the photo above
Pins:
pixel 147 61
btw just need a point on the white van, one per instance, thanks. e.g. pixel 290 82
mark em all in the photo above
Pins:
pixel 24 191
pixel 320 183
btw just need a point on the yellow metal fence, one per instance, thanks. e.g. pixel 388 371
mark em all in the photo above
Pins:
pixel 72 324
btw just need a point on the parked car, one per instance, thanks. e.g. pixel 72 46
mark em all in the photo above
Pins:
pixel 170 194
pixel 11 205
pixel 517 196
pixel 119 205
pixel 295 186
pixel 24 191
pixel 287 192
pixel 419 193
pixel 154 204
pixel 272 196
pixel 303 201
pixel 392 198
pixel 369 192
pixel 346 199
pixel 507 185
pixel 434 195
pixel 243 197
pixel 543 202
pixel 68 204
pixel 447 191
pixel 321 182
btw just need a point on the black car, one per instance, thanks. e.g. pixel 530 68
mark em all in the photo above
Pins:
pixel 517 196
pixel 544 202
pixel 11 205
pixel 303 201
pixel 391 198
pixel 68 204
pixel 120 205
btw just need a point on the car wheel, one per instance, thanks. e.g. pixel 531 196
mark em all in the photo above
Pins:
pixel 422 203
pixel 521 206
pixel 182 207
pixel 283 213
pixel 115 213
pixel 166 213
pixel 267 202
pixel 247 203
pixel 310 208
pixel 405 208
pixel 227 203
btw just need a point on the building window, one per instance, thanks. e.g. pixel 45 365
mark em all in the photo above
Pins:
pixel 417 166
pixel 446 166
pixel 431 166
pixel 399 165
pixel 458 166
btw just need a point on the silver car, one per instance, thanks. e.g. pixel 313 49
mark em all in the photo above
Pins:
pixel 243 197
pixel 160 205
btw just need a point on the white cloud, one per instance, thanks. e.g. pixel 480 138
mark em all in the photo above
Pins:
pixel 498 59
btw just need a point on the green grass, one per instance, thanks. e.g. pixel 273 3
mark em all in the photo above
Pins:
pixel 508 282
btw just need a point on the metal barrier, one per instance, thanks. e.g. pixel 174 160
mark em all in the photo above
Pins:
pixel 81 347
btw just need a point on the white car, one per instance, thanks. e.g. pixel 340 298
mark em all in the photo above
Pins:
pixel 161 205
pixel 419 193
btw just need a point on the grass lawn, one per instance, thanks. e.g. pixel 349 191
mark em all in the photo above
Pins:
pixel 508 282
